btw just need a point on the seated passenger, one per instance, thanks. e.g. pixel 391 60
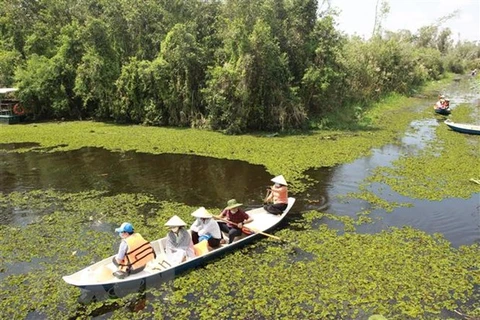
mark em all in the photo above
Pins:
pixel 179 246
pixel 446 104
pixel 278 196
pixel 236 217
pixel 205 228
pixel 134 252
pixel 442 103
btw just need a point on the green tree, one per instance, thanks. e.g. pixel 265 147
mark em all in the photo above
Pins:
pixel 299 25
pixel 323 83
pixel 39 81
pixel 98 70
pixel 258 84
pixel 183 58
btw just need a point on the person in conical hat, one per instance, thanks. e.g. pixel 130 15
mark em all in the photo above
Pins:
pixel 280 180
pixel 236 217
pixel 179 246
pixel 205 228
pixel 277 197
pixel 175 221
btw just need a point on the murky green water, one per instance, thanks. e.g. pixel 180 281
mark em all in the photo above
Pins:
pixel 203 181
pixel 187 179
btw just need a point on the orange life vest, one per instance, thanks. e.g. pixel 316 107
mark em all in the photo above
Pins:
pixel 280 194
pixel 201 248
pixel 140 251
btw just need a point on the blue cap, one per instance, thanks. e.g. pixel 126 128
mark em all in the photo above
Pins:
pixel 125 227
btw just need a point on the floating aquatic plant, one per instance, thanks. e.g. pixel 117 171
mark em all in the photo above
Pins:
pixel 400 273
pixel 443 169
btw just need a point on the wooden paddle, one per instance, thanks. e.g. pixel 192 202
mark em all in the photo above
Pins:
pixel 251 229
pixel 267 195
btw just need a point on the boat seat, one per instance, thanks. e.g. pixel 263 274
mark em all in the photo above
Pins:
pixel 160 262
pixel 225 237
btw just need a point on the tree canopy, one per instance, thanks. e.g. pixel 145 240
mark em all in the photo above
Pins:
pixel 233 65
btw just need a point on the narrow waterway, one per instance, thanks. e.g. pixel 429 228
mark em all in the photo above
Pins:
pixel 205 181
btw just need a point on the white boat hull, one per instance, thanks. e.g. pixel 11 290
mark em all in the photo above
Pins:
pixel 99 276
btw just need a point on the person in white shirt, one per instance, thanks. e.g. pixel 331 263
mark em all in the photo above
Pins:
pixel 205 228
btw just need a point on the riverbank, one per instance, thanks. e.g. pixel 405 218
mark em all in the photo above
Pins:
pixel 289 155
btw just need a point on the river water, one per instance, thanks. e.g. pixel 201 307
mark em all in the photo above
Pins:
pixel 204 181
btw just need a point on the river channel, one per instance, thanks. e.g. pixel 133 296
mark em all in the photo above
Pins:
pixel 210 182
pixel 204 181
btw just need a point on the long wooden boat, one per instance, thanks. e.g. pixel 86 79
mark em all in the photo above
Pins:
pixel 463 127
pixel 99 276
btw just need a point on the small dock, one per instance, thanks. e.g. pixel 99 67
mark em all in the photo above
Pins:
pixel 7 116
pixel 10 110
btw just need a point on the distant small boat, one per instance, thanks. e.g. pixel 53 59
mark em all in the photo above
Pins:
pixel 444 112
pixel 463 127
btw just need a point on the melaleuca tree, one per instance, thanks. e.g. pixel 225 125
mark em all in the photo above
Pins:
pixel 132 92
pixel 323 82
pixel 39 81
pixel 301 18
pixel 257 82
pixel 183 60
pixel 98 70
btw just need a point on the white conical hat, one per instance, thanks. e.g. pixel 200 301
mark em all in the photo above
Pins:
pixel 201 213
pixel 175 221
pixel 280 179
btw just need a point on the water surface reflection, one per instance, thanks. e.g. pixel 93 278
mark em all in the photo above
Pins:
pixel 204 181
pixel 187 179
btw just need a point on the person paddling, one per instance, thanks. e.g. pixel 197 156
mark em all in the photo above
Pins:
pixel 278 196
pixel 235 214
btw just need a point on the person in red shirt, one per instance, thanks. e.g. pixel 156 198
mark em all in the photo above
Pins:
pixel 278 196
pixel 233 213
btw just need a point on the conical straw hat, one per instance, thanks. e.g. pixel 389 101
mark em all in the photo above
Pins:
pixel 201 213
pixel 175 221
pixel 280 179
pixel 103 274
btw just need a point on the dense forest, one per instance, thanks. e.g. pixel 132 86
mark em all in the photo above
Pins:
pixel 231 65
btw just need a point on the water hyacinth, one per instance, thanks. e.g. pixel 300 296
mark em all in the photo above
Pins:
pixel 400 273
